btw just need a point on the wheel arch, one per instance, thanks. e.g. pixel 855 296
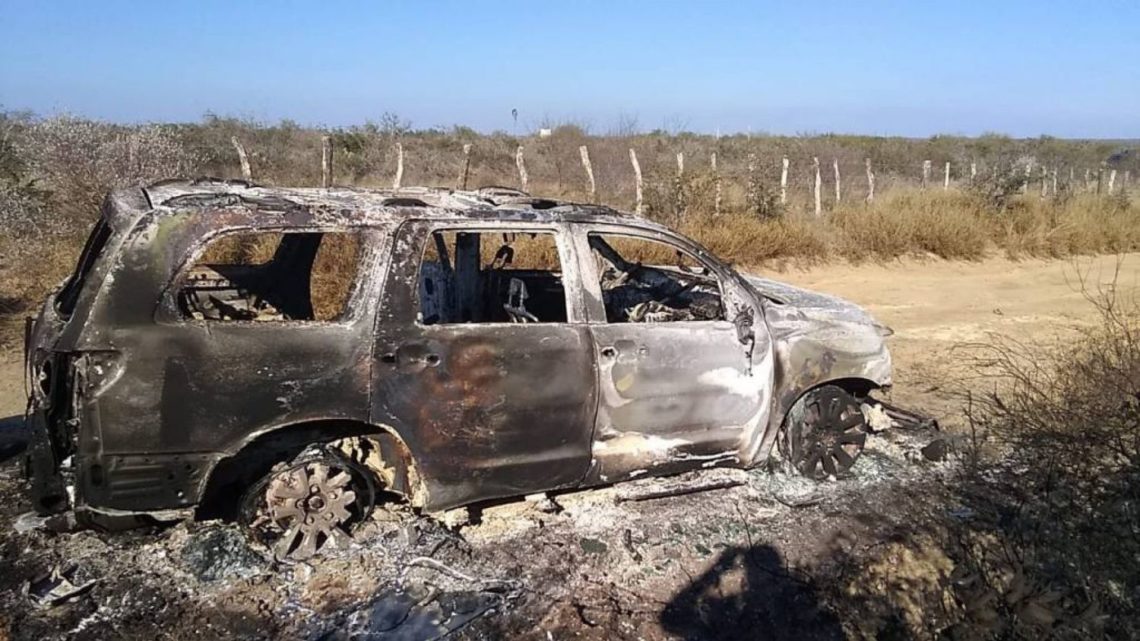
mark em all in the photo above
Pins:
pixel 377 446
pixel 855 385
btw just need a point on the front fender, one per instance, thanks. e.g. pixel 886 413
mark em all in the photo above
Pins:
pixel 809 353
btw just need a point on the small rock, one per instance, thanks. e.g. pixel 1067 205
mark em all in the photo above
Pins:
pixel 937 450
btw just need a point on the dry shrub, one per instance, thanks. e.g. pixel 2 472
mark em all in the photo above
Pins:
pixel 947 225
pixel 78 161
pixel 746 239
pixel 50 198
pixel 1080 409
pixel 1067 487
pixel 1075 225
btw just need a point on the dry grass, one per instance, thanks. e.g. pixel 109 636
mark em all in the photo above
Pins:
pixel 949 225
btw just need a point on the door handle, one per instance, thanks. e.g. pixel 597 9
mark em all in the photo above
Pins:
pixel 609 351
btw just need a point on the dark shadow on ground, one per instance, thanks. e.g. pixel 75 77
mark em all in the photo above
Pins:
pixel 13 438
pixel 748 593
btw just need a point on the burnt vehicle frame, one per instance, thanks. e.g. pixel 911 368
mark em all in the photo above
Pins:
pixel 146 401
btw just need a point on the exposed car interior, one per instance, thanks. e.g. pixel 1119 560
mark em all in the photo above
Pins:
pixel 638 287
pixel 491 277
pixel 271 276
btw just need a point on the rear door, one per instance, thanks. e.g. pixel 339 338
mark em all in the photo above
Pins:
pixel 684 372
pixel 493 401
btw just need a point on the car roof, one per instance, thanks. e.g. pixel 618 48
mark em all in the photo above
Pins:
pixel 356 206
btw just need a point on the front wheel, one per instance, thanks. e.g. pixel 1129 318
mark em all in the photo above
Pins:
pixel 824 433
pixel 308 504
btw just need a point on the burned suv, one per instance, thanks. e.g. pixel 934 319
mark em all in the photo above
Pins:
pixel 290 357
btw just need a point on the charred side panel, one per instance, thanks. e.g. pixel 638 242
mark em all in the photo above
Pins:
pixel 170 395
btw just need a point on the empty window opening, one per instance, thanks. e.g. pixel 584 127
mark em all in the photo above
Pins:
pixel 646 281
pixel 272 276
pixel 491 277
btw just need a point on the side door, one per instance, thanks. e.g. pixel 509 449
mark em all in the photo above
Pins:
pixel 684 357
pixel 483 360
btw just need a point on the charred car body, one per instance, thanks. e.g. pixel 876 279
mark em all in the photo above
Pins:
pixel 290 356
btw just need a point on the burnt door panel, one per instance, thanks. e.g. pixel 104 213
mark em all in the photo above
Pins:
pixel 674 396
pixel 491 410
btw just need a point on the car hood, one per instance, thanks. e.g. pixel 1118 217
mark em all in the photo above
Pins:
pixel 814 305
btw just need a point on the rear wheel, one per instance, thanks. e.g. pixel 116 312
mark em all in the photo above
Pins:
pixel 309 504
pixel 824 433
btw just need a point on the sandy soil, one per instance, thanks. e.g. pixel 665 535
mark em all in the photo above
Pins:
pixel 937 307
pixel 772 557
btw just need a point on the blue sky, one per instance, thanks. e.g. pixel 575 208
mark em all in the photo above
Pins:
pixel 904 68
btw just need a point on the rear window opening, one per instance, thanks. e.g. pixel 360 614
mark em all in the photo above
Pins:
pixel 272 277
pixel 491 277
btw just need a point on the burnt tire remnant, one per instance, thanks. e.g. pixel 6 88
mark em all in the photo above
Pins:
pixel 308 504
pixel 824 433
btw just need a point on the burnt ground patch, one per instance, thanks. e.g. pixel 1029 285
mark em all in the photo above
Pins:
pixel 891 551
pixel 718 564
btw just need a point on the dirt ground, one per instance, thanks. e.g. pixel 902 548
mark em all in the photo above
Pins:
pixel 771 557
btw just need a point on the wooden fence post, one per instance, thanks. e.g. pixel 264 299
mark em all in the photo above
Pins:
pixel 1028 177
pixel 521 163
pixel 784 182
pixel 399 178
pixel 585 153
pixel 946 180
pixel 973 171
pixel 637 179
pixel 716 184
pixel 835 165
pixel 1111 180
pixel 752 196
pixel 870 181
pixel 818 184
pixel 461 181
pixel 246 172
pixel 925 174
pixel 326 162
pixel 1099 178
pixel 678 191
pixel 1088 181
pixel 1054 181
